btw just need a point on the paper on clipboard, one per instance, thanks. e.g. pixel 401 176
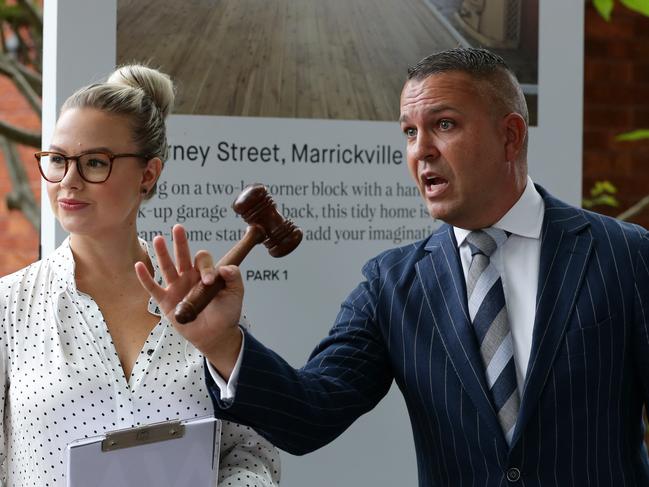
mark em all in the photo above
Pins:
pixel 169 454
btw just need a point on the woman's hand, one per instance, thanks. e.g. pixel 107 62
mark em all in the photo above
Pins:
pixel 215 330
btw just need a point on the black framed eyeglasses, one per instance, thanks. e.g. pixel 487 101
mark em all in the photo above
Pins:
pixel 93 166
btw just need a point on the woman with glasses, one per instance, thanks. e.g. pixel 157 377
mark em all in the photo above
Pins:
pixel 83 349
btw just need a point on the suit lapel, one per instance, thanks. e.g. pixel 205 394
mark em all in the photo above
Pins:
pixel 442 279
pixel 565 249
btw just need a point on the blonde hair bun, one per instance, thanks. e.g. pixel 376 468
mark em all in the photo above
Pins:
pixel 154 83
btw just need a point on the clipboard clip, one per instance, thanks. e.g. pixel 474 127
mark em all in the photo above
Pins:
pixel 141 435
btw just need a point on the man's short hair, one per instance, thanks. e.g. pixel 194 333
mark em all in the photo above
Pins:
pixel 481 65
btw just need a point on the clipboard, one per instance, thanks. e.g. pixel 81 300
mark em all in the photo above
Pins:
pixel 168 454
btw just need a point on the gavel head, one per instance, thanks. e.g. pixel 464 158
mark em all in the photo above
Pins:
pixel 255 206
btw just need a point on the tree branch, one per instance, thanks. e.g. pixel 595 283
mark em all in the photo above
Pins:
pixel 24 21
pixel 34 78
pixel 8 68
pixel 635 209
pixel 21 197
pixel 21 136
pixel 33 13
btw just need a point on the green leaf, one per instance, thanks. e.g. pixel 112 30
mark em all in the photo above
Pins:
pixel 608 200
pixel 604 7
pixel 604 200
pixel 640 6
pixel 603 187
pixel 603 194
pixel 12 14
pixel 633 135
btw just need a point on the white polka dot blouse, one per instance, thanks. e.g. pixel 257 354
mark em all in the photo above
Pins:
pixel 62 380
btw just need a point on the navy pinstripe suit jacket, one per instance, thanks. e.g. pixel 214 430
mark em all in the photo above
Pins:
pixel 588 377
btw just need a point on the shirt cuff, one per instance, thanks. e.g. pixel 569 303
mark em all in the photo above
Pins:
pixel 229 389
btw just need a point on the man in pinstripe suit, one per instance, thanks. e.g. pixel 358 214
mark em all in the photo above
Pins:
pixel 518 332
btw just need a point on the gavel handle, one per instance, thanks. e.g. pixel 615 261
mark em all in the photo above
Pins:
pixel 200 294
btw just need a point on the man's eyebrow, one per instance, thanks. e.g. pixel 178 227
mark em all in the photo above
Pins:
pixel 431 111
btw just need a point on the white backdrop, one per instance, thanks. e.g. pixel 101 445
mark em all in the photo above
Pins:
pixel 294 306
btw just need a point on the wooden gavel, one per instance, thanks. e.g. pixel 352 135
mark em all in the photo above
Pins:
pixel 265 224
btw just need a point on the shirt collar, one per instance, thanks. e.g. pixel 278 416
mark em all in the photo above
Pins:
pixel 62 262
pixel 157 276
pixel 524 219
pixel 63 259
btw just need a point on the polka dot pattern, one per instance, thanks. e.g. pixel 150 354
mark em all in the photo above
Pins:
pixel 62 380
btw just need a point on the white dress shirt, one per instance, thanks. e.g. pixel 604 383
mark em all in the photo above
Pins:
pixel 517 262
pixel 61 379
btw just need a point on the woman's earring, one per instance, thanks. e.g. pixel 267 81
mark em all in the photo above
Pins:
pixel 144 191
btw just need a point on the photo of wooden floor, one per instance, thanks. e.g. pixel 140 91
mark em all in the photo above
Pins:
pixel 335 59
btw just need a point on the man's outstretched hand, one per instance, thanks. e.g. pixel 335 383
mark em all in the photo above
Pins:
pixel 215 331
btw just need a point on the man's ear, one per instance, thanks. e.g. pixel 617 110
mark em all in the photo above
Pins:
pixel 151 172
pixel 515 135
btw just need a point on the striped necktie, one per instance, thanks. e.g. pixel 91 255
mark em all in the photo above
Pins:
pixel 489 317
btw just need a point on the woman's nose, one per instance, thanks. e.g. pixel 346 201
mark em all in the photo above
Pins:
pixel 72 178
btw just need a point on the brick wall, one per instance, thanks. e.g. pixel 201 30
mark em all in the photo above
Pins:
pixel 616 100
pixel 18 239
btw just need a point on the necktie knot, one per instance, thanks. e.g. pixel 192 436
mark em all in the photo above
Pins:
pixel 486 241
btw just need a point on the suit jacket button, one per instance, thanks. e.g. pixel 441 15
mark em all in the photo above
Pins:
pixel 513 474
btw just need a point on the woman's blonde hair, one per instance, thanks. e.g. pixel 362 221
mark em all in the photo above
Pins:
pixel 143 95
